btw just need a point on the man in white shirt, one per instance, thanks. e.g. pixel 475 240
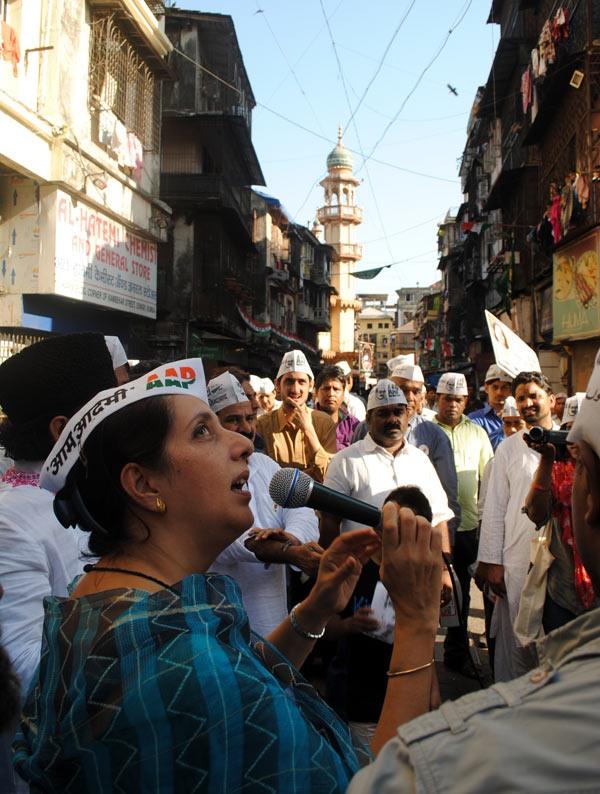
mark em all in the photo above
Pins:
pixel 506 532
pixel 355 405
pixel 257 559
pixel 40 388
pixel 383 461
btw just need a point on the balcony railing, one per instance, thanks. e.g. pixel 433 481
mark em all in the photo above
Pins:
pixel 339 212
pixel 349 250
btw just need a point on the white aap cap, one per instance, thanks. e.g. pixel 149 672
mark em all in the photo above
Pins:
pixel 185 377
pixel 510 408
pixel 408 358
pixel 409 372
pixel 255 382
pixel 385 392
pixel 266 386
pixel 223 391
pixel 294 361
pixel 572 406
pixel 344 366
pixel 116 350
pixel 586 426
pixel 496 373
pixel 453 383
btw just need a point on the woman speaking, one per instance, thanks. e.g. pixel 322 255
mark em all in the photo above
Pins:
pixel 149 678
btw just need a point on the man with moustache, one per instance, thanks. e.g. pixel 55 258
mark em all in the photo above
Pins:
pixel 257 559
pixel 294 434
pixel 506 532
pixel 383 461
pixel 425 435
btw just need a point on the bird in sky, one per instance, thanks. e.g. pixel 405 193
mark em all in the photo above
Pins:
pixel 452 89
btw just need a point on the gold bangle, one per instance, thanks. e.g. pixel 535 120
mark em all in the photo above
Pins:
pixel 397 673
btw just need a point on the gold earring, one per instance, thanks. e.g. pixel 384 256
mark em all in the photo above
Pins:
pixel 160 505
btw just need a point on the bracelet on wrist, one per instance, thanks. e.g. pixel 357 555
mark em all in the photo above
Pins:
pixel 307 635
pixel 286 546
pixel 397 673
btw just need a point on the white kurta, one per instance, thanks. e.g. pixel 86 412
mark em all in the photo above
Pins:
pixel 356 406
pixel 264 587
pixel 505 539
pixel 38 558
pixel 369 472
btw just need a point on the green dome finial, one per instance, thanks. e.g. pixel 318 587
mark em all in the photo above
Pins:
pixel 340 157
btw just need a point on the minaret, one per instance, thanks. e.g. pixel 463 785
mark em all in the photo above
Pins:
pixel 340 216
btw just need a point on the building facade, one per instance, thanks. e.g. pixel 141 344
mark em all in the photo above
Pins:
pixel 239 283
pixel 376 327
pixel 80 217
pixel 408 300
pixel 525 242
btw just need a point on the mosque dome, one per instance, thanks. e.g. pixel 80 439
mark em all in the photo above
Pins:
pixel 340 157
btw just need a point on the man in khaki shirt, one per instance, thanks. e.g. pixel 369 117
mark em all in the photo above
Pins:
pixel 294 435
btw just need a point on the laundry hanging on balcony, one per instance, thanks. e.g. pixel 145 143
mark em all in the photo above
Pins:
pixel 9 46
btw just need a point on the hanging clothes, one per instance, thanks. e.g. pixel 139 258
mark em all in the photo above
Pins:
pixel 566 204
pixel 534 103
pixel 106 127
pixel 119 143
pixel 11 51
pixel 582 189
pixel 526 86
pixel 535 63
pixel 555 219
pixel 136 155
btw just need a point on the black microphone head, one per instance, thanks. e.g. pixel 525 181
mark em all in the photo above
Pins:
pixel 290 488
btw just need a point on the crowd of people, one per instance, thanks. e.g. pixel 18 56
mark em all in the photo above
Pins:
pixel 158 607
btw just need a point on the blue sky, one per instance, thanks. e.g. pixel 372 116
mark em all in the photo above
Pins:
pixel 293 68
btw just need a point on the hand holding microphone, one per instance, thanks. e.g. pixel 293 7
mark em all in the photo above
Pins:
pixel 411 567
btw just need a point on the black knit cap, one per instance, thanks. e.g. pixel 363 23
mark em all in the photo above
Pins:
pixel 55 377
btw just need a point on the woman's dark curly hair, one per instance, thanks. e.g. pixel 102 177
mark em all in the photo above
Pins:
pixel 135 434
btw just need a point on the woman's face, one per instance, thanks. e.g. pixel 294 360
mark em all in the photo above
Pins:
pixel 206 485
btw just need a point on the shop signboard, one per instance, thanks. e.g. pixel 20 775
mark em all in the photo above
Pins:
pixel 576 290
pixel 99 260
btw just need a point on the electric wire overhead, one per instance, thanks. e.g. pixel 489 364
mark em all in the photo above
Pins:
pixel 308 130
pixel 380 64
pixel 417 83
pixel 353 120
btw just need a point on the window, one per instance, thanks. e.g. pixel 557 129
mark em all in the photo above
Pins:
pixel 369 325
pixel 408 297
pixel 120 82
pixel 380 325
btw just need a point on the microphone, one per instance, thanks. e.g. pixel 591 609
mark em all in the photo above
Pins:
pixel 293 488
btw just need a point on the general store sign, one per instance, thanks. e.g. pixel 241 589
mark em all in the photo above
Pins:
pixel 99 260
pixel 576 290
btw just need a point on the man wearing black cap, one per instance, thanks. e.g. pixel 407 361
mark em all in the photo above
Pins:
pixel 40 388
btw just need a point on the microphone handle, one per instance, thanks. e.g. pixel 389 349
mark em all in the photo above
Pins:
pixel 338 504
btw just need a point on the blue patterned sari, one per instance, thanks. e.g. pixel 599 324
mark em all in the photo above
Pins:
pixel 167 692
